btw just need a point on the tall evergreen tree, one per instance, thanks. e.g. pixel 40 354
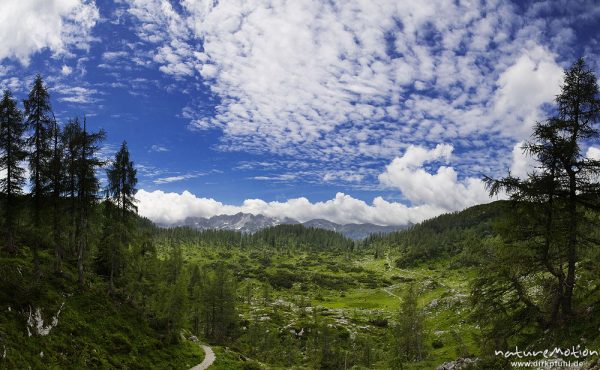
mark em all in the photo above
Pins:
pixel 409 332
pixel 122 181
pixel 120 193
pixel 87 192
pixel 71 143
pixel 545 241
pixel 218 299
pixel 56 185
pixel 12 147
pixel 39 118
pixel 110 258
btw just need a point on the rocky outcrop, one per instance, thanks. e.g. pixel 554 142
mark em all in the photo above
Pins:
pixel 460 363
pixel 35 322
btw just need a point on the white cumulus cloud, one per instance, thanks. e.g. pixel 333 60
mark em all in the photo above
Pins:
pixel 522 164
pixel 593 153
pixel 169 208
pixel 533 80
pixel 430 194
pixel 440 189
pixel 29 26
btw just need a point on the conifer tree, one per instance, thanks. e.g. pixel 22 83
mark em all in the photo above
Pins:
pixel 56 184
pixel 120 195
pixel 12 148
pixel 552 223
pixel 409 332
pixel 87 192
pixel 122 181
pixel 110 258
pixel 39 118
pixel 71 143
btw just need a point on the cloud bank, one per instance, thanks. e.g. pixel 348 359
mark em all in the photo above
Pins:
pixel 168 208
pixel 430 194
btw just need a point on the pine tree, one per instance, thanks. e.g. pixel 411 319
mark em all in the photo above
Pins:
pixel 110 259
pixel 122 181
pixel 551 206
pixel 71 143
pixel 409 332
pixel 12 147
pixel 195 297
pixel 87 192
pixel 219 298
pixel 56 184
pixel 39 118
pixel 120 192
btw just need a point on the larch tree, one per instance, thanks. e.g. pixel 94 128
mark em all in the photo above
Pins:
pixel 122 181
pixel 71 144
pixel 56 185
pixel 39 118
pixel 409 332
pixel 542 243
pixel 120 191
pixel 13 152
pixel 87 192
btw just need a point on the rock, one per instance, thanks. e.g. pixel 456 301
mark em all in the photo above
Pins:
pixel 457 364
pixel 433 304
pixel 36 322
pixel 594 365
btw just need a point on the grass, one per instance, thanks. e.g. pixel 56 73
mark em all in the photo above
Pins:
pixel 94 330
pixel 358 294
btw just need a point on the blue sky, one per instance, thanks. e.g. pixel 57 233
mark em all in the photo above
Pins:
pixel 354 111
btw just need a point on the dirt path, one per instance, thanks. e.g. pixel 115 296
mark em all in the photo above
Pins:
pixel 209 358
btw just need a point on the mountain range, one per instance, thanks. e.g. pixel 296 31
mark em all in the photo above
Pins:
pixel 249 223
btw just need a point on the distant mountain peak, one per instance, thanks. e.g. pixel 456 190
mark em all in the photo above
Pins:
pixel 250 223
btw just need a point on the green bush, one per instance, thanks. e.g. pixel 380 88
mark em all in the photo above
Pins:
pixel 437 343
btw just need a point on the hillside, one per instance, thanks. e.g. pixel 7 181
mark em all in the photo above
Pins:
pixel 443 236
pixel 76 328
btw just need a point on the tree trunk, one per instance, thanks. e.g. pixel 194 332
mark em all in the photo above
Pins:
pixel 58 250
pixel 571 247
pixel 10 238
pixel 80 271
pixel 111 286
pixel 10 242
pixel 81 251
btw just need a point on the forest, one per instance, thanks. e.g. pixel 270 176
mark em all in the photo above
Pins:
pixel 87 283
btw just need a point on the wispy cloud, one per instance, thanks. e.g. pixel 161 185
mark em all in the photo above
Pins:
pixel 175 178
pixel 281 177
pixel 159 148
pixel 77 94
pixel 110 56
pixel 292 76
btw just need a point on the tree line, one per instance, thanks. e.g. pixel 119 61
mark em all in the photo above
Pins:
pixel 53 201
pixel 62 164
pixel 283 237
